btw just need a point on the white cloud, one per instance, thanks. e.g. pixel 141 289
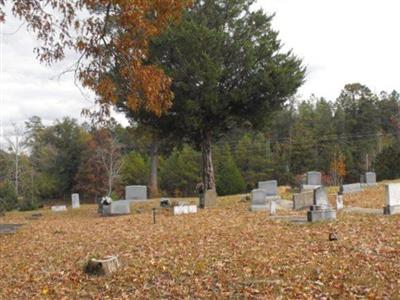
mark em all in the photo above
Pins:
pixel 340 41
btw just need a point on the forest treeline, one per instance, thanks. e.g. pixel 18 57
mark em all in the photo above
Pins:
pixel 357 132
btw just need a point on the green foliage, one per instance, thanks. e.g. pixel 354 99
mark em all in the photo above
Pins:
pixel 387 163
pixel 8 198
pixel 181 172
pixel 135 169
pixel 254 159
pixel 228 177
pixel 28 204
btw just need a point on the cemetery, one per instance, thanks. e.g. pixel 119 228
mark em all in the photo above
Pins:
pixel 186 149
pixel 244 248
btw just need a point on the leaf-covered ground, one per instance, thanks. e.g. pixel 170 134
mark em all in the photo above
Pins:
pixel 225 252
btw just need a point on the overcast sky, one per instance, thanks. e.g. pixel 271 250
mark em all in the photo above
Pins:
pixel 340 41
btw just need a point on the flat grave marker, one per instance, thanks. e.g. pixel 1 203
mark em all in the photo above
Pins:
pixel 58 208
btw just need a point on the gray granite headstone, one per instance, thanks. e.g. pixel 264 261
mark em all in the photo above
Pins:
pixel 320 210
pixel 210 198
pixel 270 187
pixel 121 207
pixel 392 199
pixel 351 188
pixel 258 200
pixel 370 178
pixel 136 192
pixel 75 200
pixel 303 200
pixel 314 178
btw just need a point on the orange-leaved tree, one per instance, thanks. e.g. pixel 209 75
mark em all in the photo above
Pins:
pixel 105 33
pixel 338 168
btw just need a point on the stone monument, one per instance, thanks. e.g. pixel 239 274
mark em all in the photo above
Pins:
pixel 136 192
pixel 75 200
pixel 258 200
pixel 320 210
pixel 270 187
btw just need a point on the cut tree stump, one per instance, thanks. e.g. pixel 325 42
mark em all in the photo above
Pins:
pixel 104 266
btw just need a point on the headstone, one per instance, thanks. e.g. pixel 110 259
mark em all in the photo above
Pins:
pixel 192 209
pixel 370 178
pixel 272 207
pixel 303 200
pixel 258 200
pixel 314 178
pixel 270 187
pixel 351 188
pixel 185 209
pixel 210 198
pixel 320 210
pixel 392 199
pixel 312 181
pixel 75 201
pixel 121 207
pixel 59 208
pixel 339 202
pixel 136 192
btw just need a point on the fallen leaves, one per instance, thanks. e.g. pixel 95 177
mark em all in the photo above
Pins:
pixel 226 252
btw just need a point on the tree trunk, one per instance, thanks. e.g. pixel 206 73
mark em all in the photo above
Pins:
pixel 153 184
pixel 208 168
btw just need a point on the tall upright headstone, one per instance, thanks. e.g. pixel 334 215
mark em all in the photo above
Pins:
pixel 314 178
pixel 270 187
pixel 392 199
pixel 370 178
pixel 258 200
pixel 320 210
pixel 313 181
pixel 75 200
pixel 339 202
pixel 210 198
pixel 136 192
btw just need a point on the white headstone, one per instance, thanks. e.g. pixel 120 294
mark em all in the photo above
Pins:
pixel 270 187
pixel 185 209
pixel 393 194
pixel 192 209
pixel 136 192
pixel 272 207
pixel 339 202
pixel 59 208
pixel 75 201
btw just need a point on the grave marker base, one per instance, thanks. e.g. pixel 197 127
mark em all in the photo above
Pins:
pixel 316 214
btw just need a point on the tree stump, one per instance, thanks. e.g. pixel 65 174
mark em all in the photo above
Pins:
pixel 104 266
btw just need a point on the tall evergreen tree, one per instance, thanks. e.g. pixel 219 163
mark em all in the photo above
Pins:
pixel 227 68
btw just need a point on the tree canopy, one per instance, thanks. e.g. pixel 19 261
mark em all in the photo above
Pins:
pixel 104 33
